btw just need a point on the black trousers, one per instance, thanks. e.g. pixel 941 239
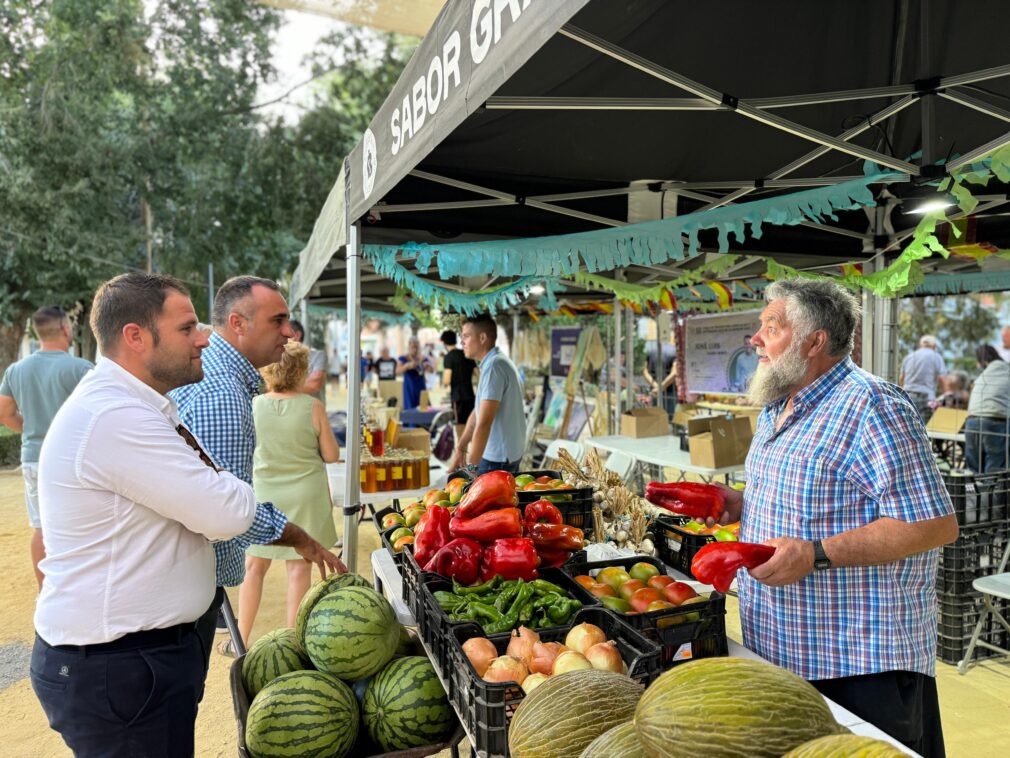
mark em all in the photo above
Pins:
pixel 135 697
pixel 901 703
pixel 206 627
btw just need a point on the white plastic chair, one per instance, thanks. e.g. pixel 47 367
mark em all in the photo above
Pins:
pixel 995 586
pixel 621 464
pixel 574 449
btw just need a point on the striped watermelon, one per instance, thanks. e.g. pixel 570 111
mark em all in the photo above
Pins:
pixel 302 714
pixel 351 633
pixel 275 653
pixel 320 589
pixel 405 706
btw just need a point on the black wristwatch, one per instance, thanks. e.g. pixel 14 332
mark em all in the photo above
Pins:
pixel 821 560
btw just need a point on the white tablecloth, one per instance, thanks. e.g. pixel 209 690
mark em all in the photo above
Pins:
pixel 661 451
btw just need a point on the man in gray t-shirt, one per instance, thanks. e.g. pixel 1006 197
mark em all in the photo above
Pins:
pixel 32 391
pixel 315 382
pixel 920 374
pixel 495 434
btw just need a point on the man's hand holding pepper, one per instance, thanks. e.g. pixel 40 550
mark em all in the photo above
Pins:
pixel 733 505
pixel 793 560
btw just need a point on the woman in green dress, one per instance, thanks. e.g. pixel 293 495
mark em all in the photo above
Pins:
pixel 294 442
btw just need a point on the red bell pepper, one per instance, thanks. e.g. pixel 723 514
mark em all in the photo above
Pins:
pixel 695 499
pixel 495 489
pixel 718 562
pixel 553 558
pixel 431 534
pixel 458 559
pixel 488 527
pixel 557 537
pixel 542 511
pixel 511 558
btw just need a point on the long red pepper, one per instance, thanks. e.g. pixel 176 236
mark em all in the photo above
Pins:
pixel 431 534
pixel 513 558
pixel 459 559
pixel 495 489
pixel 696 500
pixel 556 537
pixel 718 562
pixel 488 527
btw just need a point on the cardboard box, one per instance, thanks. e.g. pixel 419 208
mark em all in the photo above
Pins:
pixel 719 441
pixel 391 388
pixel 415 439
pixel 946 420
pixel 645 422
pixel 684 413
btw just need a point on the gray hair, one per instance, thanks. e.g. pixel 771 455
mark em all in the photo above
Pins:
pixel 819 304
pixel 233 290
pixel 927 340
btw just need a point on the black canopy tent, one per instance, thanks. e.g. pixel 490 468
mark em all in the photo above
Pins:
pixel 521 118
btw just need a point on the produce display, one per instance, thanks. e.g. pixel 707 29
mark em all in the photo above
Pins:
pixel 718 562
pixel 530 483
pixel 720 532
pixel 591 702
pixel 405 706
pixel 272 655
pixel 845 746
pixel 500 605
pixel 351 633
pixel 316 592
pixel 730 707
pixel 701 501
pixel 640 589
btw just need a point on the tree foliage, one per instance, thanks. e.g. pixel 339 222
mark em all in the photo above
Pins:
pixel 960 324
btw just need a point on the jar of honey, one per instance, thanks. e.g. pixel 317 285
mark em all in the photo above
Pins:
pixel 380 476
pixel 425 474
pixel 410 474
pixel 396 470
pixel 387 483
pixel 368 478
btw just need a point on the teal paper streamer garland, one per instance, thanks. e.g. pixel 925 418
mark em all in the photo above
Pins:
pixel 648 243
pixel 341 314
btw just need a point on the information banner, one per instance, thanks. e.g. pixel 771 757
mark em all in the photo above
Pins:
pixel 719 356
pixel 564 340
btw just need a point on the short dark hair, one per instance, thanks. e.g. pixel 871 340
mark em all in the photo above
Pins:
pixel 297 327
pixel 234 290
pixel 48 321
pixel 986 354
pixel 483 322
pixel 134 298
pixel 448 337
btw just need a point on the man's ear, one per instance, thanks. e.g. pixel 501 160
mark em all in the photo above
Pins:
pixel 820 343
pixel 237 323
pixel 134 338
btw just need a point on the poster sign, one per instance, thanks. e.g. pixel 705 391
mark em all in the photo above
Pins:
pixel 719 356
pixel 564 340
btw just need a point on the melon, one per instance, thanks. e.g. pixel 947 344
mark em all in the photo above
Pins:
pixel 302 714
pixel 351 633
pixel 730 707
pixel 562 716
pixel 846 746
pixel 319 590
pixel 405 706
pixel 275 653
pixel 619 742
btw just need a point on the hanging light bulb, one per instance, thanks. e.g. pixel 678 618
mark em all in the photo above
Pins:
pixel 537 289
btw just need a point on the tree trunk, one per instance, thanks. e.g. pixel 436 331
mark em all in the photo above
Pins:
pixel 10 342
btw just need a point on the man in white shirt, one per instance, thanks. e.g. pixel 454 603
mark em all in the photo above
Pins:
pixel 129 505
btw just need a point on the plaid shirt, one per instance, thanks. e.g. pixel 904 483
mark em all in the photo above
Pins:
pixel 218 411
pixel 854 450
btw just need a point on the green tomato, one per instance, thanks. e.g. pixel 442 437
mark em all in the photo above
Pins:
pixel 724 535
pixel 693 526
pixel 618 604
pixel 643 571
pixel 523 479
pixel 401 532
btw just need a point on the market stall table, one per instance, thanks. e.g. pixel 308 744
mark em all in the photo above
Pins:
pixel 335 474
pixel 387 580
pixel 661 451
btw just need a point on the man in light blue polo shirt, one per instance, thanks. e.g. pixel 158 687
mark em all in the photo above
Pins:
pixel 495 434
pixel 32 391
pixel 920 373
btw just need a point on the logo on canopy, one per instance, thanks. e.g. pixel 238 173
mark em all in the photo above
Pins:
pixel 369 164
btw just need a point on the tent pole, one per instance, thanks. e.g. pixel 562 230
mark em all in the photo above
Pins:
pixel 658 376
pixel 629 355
pixel 352 465
pixel 962 98
pixel 610 351
pixel 615 373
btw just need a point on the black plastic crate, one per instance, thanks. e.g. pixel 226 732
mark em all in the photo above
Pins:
pixel 684 633
pixel 977 552
pixel 435 626
pixel 410 574
pixel 487 707
pixel 675 546
pixel 978 498
pixel 957 615
pixel 241 701
pixel 576 511
pixel 951 648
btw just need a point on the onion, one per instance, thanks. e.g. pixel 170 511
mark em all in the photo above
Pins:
pixel 584 636
pixel 544 654
pixel 521 644
pixel 505 668
pixel 570 661
pixel 533 681
pixel 480 651
pixel 606 657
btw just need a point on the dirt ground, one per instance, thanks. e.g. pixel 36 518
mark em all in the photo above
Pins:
pixel 976 707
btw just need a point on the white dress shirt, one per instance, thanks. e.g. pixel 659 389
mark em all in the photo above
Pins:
pixel 127 510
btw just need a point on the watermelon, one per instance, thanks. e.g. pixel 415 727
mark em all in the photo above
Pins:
pixel 405 706
pixel 351 633
pixel 275 653
pixel 320 589
pixel 302 714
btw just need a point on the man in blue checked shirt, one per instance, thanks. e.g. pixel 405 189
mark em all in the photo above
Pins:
pixel 251 327
pixel 841 480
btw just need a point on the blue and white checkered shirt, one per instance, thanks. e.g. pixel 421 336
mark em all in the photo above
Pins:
pixel 218 411
pixel 854 450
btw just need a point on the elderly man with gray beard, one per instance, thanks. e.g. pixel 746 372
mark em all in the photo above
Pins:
pixel 841 481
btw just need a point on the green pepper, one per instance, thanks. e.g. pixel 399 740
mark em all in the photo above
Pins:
pixel 478 589
pixel 561 611
pixel 506 596
pixel 543 587
pixel 511 619
pixel 448 601
pixel 485 612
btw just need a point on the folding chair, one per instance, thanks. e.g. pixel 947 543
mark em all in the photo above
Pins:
pixel 621 464
pixel 574 449
pixel 994 586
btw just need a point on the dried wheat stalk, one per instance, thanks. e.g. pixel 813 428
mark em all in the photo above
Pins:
pixel 568 465
pixel 638 524
pixel 599 528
